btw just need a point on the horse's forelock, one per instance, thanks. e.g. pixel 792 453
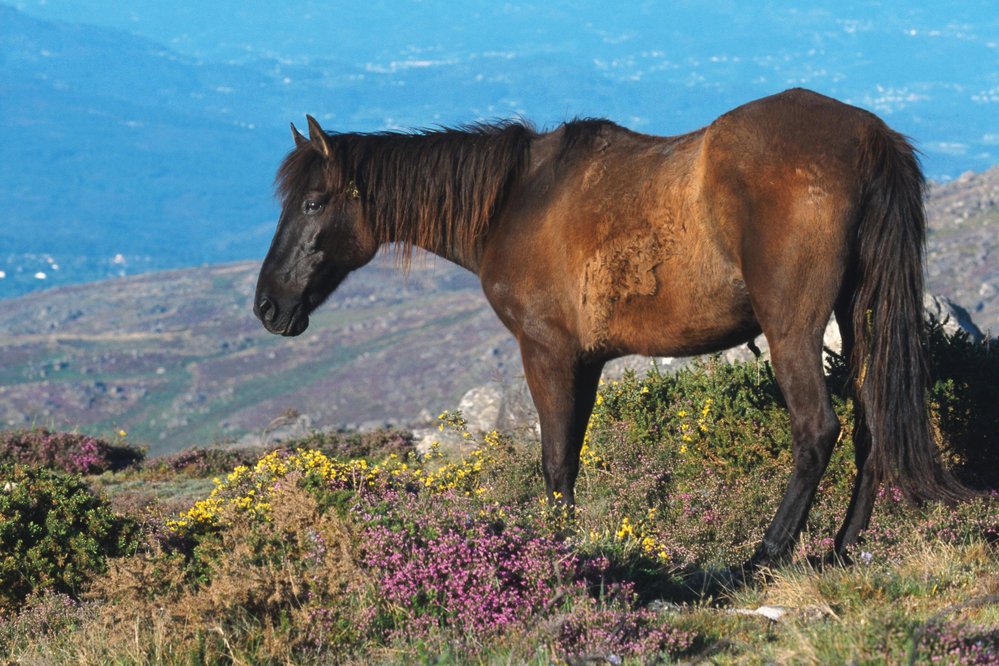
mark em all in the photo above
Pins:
pixel 297 172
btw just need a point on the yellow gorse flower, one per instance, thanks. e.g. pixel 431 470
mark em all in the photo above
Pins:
pixel 641 537
pixel 247 490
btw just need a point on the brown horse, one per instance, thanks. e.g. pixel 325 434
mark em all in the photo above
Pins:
pixel 592 241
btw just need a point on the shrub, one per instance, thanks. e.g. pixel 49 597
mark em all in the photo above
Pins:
pixel 958 643
pixel 249 575
pixel 43 615
pixel 201 462
pixel 373 446
pixel 329 557
pixel 964 397
pixel 596 633
pixel 67 451
pixel 55 533
pixel 438 567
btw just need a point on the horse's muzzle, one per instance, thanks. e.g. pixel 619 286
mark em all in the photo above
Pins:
pixel 275 321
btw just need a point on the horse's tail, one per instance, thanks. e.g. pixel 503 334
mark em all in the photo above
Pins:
pixel 889 366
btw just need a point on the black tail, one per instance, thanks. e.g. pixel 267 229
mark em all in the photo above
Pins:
pixel 889 364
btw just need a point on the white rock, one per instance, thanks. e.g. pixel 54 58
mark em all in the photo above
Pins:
pixel 772 613
pixel 481 407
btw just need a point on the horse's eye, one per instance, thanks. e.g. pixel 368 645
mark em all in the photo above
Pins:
pixel 311 206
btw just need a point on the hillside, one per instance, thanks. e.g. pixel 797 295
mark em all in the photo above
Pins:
pixel 176 358
pixel 963 245
pixel 352 549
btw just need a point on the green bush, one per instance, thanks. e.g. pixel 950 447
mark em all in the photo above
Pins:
pixel 55 533
pixel 725 420
pixel 965 402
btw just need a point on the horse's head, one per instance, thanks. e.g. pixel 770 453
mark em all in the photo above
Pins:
pixel 320 238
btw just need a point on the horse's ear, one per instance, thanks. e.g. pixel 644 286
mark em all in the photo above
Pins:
pixel 299 139
pixel 318 138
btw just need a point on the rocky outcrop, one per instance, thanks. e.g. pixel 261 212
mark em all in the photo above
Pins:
pixel 963 225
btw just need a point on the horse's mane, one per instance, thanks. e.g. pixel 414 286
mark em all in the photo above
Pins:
pixel 435 188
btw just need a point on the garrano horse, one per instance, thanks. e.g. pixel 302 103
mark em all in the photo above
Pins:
pixel 592 241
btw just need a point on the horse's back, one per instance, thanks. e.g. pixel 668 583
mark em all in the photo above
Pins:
pixel 794 124
pixel 638 244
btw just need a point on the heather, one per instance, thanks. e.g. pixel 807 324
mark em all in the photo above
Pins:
pixel 351 548
pixel 70 452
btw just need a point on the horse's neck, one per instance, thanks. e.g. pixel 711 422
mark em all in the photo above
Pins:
pixel 462 257
pixel 442 189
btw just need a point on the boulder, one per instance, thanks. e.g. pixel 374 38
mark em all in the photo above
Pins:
pixel 951 315
pixel 481 407
pixel 286 427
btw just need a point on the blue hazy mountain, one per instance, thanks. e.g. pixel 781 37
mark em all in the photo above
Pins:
pixel 141 135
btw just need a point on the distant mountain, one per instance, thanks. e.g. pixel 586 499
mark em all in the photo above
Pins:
pixel 176 358
pixel 114 145
pixel 144 135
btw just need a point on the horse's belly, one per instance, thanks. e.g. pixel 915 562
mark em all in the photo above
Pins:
pixel 670 314
pixel 658 329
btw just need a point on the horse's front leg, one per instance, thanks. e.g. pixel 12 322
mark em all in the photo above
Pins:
pixel 563 387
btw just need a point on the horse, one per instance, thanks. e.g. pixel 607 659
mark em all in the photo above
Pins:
pixel 592 241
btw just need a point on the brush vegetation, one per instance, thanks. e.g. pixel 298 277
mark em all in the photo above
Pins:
pixel 349 548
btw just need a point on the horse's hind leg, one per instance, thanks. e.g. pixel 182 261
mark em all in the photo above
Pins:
pixel 793 299
pixel 866 484
pixel 797 361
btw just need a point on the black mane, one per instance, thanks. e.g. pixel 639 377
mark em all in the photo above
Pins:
pixel 431 188
pixel 435 188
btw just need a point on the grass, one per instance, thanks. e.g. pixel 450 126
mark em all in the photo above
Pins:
pixel 351 549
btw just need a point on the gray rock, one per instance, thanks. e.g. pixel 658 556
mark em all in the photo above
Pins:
pixel 953 317
pixel 482 406
pixel 448 442
pixel 287 427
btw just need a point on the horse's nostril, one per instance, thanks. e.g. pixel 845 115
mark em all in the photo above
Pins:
pixel 265 309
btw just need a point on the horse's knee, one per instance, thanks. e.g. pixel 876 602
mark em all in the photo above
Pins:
pixel 813 444
pixel 829 431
